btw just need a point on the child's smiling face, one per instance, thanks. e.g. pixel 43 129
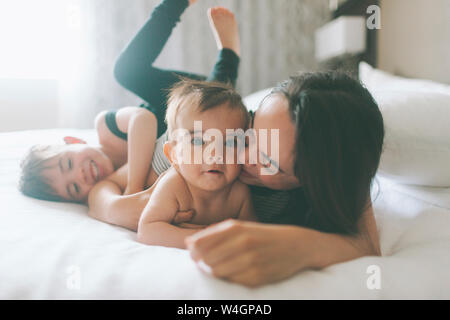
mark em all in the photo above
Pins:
pixel 76 169
pixel 217 174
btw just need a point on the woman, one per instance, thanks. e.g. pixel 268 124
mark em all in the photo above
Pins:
pixel 331 137
pixel 317 206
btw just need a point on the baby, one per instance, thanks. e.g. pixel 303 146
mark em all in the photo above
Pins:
pixel 210 186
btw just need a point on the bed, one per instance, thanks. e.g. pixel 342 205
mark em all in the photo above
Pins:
pixel 55 251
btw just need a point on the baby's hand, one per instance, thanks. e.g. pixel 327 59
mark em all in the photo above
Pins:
pixel 183 217
pixel 191 226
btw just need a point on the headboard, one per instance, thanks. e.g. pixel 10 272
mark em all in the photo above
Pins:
pixel 349 63
pixel 414 39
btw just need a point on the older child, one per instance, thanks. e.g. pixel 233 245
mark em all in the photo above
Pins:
pixel 68 172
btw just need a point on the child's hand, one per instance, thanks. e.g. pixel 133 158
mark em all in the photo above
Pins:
pixel 182 217
pixel 191 2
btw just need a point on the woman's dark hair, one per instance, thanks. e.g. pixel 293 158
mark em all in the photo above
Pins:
pixel 339 140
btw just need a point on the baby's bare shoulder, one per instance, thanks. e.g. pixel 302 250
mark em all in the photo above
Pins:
pixel 240 186
pixel 239 191
pixel 175 183
pixel 170 179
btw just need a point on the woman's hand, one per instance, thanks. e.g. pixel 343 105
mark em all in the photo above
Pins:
pixel 249 253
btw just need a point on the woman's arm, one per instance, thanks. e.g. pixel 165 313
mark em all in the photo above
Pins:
pixel 255 254
pixel 332 248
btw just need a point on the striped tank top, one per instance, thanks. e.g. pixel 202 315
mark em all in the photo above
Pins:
pixel 160 163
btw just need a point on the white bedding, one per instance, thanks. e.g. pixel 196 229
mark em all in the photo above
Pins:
pixel 45 246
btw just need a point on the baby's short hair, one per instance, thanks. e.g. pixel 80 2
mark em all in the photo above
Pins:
pixel 32 183
pixel 203 96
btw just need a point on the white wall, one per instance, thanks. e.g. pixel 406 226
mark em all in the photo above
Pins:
pixel 414 39
pixel 28 104
pixel 277 40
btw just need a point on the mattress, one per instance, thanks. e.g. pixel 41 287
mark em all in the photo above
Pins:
pixel 55 251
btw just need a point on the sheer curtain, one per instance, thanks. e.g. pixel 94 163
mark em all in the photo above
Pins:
pixel 277 40
pixel 96 33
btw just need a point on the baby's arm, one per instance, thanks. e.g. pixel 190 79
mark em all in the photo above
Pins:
pixel 155 226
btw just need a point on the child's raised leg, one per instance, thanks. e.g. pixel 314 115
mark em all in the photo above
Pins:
pixel 225 29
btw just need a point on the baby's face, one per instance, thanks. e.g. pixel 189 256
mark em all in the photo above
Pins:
pixel 214 172
pixel 75 170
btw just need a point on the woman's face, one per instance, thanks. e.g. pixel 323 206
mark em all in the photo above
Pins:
pixel 273 114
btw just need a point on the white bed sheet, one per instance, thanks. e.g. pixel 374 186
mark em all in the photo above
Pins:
pixel 44 246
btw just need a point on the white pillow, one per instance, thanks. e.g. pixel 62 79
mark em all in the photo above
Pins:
pixel 252 101
pixel 417 142
pixel 416 114
pixel 375 79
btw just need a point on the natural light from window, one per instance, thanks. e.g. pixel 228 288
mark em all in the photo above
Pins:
pixel 34 35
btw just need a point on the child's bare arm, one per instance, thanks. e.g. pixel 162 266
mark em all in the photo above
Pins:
pixel 155 226
pixel 141 127
pixel 111 143
pixel 142 131
pixel 106 202
pixel 164 234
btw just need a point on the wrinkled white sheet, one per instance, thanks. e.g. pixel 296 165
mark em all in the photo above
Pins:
pixel 46 247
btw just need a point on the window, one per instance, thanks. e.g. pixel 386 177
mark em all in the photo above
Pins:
pixel 33 34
